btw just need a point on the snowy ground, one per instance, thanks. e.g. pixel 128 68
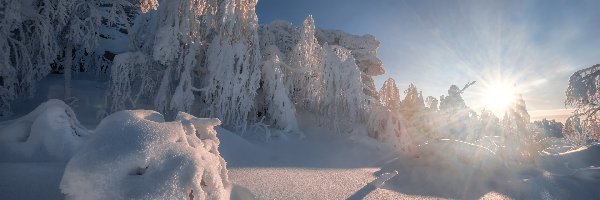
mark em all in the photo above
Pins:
pixel 324 165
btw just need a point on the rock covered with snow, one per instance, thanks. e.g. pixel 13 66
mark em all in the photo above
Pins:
pixel 50 132
pixel 363 47
pixel 137 155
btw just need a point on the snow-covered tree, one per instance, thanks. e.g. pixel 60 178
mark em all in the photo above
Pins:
pixel 172 39
pixel 490 123
pixel 574 131
pixel 278 108
pixel 550 128
pixel 413 102
pixel 516 121
pixel 390 128
pixel 79 23
pixel 583 94
pixel 180 36
pixel 389 95
pixel 431 103
pixel 305 79
pixel 517 131
pixel 454 100
pixel 232 61
pixel 343 98
pixel 27 47
pixel 456 114
pixel 132 79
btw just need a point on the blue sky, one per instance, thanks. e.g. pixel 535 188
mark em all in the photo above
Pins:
pixel 535 45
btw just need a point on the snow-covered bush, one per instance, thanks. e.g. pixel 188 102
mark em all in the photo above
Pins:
pixel 50 132
pixel 137 155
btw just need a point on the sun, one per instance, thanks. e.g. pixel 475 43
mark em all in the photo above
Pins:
pixel 497 97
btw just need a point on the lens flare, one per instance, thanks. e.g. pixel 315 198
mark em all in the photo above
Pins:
pixel 497 97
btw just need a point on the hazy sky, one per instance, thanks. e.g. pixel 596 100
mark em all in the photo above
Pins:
pixel 535 45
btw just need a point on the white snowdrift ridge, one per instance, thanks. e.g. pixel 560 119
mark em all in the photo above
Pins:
pixel 50 132
pixel 137 155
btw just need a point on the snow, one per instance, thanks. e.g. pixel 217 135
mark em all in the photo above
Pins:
pixel 321 166
pixel 136 154
pixel 51 129
pixel 213 59
pixel 383 178
pixel 31 180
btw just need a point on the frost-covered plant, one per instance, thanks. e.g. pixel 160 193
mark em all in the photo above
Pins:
pixel 305 81
pixel 171 41
pixel 343 99
pixel 179 37
pixel 27 47
pixel 132 79
pixel 389 127
pixel 278 107
pixel 584 95
pixel 79 23
pixel 389 95
pixel 232 61
pixel 431 103
pixel 413 101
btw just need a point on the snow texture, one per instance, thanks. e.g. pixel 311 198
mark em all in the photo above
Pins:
pixel 383 178
pixel 137 155
pixel 51 132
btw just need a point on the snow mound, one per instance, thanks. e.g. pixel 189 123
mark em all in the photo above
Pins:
pixel 50 132
pixel 137 155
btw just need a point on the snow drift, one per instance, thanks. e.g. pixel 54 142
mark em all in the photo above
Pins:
pixel 48 133
pixel 137 155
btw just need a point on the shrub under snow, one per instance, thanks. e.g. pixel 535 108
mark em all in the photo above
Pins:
pixel 137 155
pixel 50 132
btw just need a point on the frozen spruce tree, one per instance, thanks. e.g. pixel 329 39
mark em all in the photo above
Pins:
pixel 343 98
pixel 389 95
pixel 232 61
pixel 305 78
pixel 275 102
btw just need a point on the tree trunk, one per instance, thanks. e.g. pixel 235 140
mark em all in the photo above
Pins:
pixel 67 64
